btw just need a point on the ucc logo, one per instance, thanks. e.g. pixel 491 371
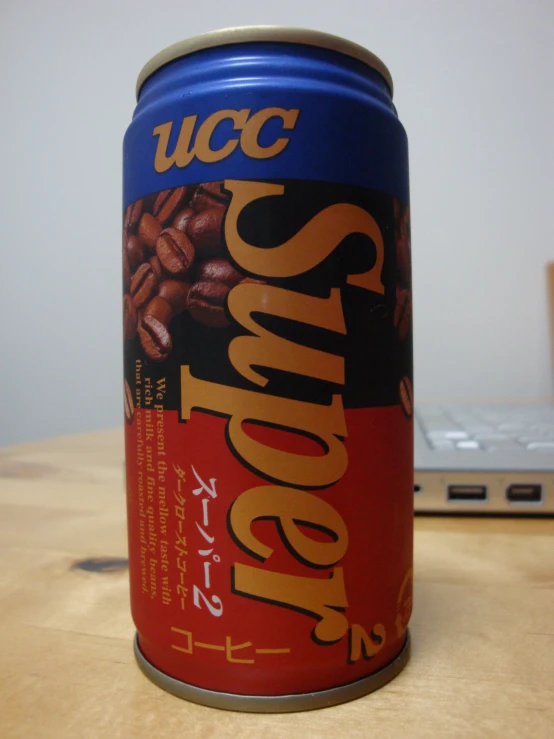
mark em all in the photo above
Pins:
pixel 249 125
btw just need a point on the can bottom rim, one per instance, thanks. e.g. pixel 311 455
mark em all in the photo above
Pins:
pixel 274 703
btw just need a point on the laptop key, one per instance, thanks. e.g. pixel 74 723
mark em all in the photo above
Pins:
pixel 541 446
pixel 468 445
pixel 443 445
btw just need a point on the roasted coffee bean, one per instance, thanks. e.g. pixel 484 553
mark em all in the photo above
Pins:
pixel 129 318
pixel 218 270
pixel 160 309
pixel 175 252
pixel 404 224
pixel 206 302
pixel 215 190
pixel 175 293
pixel 168 203
pixel 154 262
pixel 403 313
pixel 149 229
pixel 401 221
pixel 403 263
pixel 148 202
pixel 126 272
pixel 205 232
pixel 406 396
pixel 155 339
pixel 208 195
pixel 252 281
pixel 132 216
pixel 128 402
pixel 403 248
pixel 135 251
pixel 182 218
pixel 398 208
pixel 143 285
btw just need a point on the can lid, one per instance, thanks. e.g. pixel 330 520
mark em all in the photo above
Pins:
pixel 253 34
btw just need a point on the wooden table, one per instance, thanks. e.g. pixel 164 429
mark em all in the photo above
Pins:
pixel 482 629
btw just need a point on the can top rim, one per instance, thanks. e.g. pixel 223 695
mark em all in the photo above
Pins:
pixel 252 34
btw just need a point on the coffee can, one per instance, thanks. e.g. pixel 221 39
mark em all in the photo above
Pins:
pixel 268 371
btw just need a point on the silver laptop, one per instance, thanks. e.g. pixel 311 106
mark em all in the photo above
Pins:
pixel 486 459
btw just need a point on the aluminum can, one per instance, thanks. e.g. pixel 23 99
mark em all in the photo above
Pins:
pixel 268 371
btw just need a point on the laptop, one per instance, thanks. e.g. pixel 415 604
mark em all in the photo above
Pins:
pixel 485 459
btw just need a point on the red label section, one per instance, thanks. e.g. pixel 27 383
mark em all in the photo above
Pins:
pixel 244 601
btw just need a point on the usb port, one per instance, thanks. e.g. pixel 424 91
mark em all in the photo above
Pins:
pixel 467 492
pixel 524 493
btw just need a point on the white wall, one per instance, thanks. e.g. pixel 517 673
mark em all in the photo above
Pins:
pixel 473 88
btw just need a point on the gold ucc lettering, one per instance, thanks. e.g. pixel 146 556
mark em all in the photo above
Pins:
pixel 287 499
pixel 249 125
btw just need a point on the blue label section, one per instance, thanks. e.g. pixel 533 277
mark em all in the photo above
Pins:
pixel 346 132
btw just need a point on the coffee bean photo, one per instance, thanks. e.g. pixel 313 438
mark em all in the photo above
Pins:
pixel 174 265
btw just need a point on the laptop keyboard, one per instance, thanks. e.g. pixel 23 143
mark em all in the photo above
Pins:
pixel 488 428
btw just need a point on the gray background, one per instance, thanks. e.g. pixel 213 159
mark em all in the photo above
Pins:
pixel 473 88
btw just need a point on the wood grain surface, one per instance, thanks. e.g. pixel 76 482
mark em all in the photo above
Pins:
pixel 482 629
